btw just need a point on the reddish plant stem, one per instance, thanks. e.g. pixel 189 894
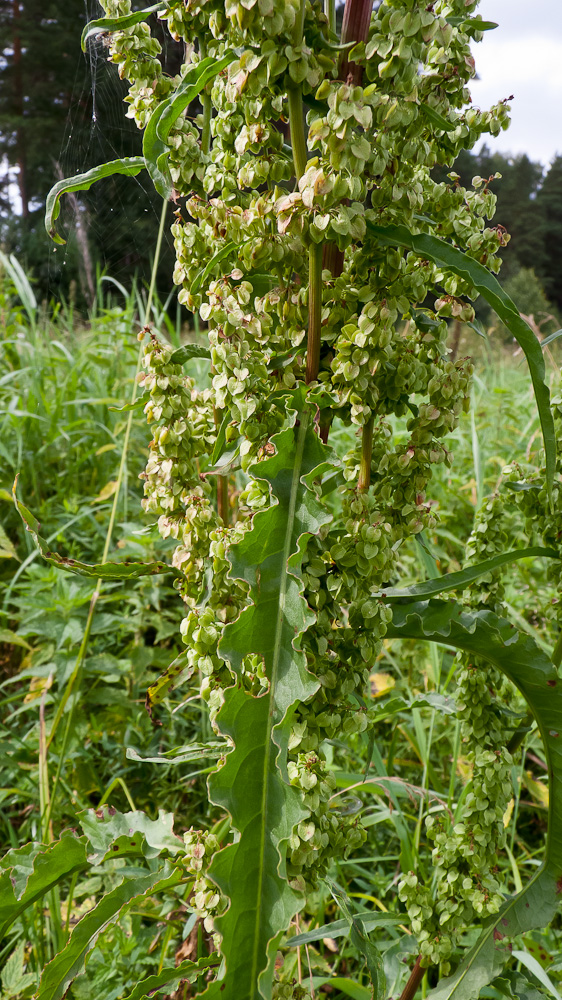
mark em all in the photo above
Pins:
pixel 355 28
pixel 416 976
pixel 364 480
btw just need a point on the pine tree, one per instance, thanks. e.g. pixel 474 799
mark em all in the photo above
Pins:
pixel 549 205
pixel 47 133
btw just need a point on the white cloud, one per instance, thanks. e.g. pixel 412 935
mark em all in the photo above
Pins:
pixel 523 57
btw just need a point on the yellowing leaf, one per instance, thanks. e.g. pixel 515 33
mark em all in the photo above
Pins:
pixel 537 789
pixel 108 490
pixel 104 448
pixel 36 688
pixel 381 684
pixel 464 769
pixel 7 550
pixel 508 813
pixel 13 639
pixel 538 951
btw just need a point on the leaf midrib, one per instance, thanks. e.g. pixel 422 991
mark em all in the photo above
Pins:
pixel 303 418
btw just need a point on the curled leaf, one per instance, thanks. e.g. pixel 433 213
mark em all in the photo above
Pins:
pixel 126 570
pixel 130 165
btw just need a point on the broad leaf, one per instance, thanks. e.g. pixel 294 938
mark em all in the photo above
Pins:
pixel 130 165
pixel 451 259
pixel 252 784
pixel 125 570
pixel 521 659
pixel 111 834
pixel 457 581
pixel 32 871
pixel 168 980
pixel 69 963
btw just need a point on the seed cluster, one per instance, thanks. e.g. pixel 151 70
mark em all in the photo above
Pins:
pixel 248 222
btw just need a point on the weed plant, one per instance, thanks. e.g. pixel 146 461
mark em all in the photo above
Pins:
pixel 381 757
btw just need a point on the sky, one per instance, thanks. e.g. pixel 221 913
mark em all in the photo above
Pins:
pixel 523 57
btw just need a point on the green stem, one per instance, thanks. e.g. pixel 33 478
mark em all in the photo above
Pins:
pixel 520 734
pixel 207 106
pixel 74 678
pixel 364 480
pixel 296 124
pixel 330 12
pixel 557 654
pixel 314 311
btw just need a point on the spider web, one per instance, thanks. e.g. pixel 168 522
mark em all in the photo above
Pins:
pixel 113 226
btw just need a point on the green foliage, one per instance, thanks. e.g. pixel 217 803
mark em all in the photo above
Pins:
pixel 311 264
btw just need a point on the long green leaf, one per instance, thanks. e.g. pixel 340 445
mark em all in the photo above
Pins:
pixel 31 872
pixel 118 23
pixel 130 165
pixel 69 963
pixel 21 283
pixel 452 259
pixel 183 755
pixel 154 144
pixel 521 659
pixel 345 986
pixel 456 581
pixel 252 785
pixel 340 928
pixel 125 570
pixel 168 980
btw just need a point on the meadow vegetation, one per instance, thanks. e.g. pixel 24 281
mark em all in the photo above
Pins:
pixel 288 723
pixel 62 380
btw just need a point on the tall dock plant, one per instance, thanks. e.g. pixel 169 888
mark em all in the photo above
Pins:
pixel 325 262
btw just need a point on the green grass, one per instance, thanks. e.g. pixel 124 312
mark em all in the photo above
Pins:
pixel 59 379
